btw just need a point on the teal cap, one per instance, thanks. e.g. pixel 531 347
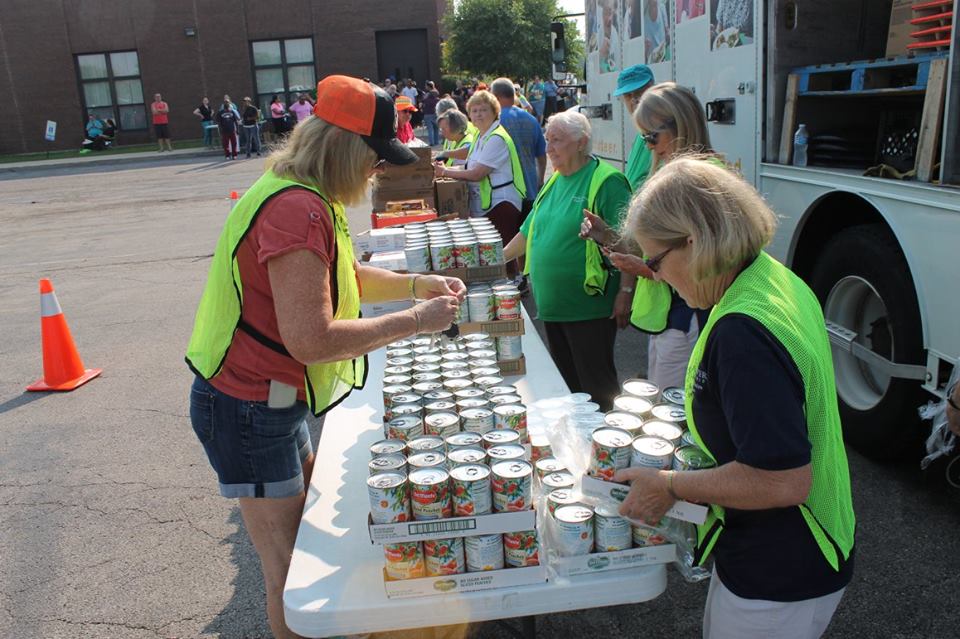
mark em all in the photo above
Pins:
pixel 633 78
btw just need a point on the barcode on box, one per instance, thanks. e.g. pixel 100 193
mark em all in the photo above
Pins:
pixel 442 526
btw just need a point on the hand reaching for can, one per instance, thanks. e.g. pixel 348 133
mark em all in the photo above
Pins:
pixel 649 499
pixel 436 314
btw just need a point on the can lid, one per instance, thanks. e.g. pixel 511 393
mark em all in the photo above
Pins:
pixel 387 462
pixel 632 404
pixel 464 438
pixel 549 465
pixel 558 479
pixel 405 421
pixel 441 419
pixel 429 476
pixel 607 510
pixel 669 413
pixel 666 430
pixel 506 451
pixel 470 472
pixel 641 387
pixel 501 436
pixel 573 514
pixel 386 480
pixel 656 446
pixel 476 413
pixel 694 457
pixel 512 468
pixel 467 455
pixel 617 437
pixel 510 409
pixel 623 420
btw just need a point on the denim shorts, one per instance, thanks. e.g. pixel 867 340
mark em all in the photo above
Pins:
pixel 255 450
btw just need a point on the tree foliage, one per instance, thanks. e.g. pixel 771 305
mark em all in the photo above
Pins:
pixel 506 38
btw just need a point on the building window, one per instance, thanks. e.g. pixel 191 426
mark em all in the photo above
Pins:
pixel 110 83
pixel 283 68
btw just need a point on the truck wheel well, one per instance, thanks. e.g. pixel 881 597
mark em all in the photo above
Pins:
pixel 826 217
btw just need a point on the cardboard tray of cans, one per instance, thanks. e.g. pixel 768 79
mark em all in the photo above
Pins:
pixel 494 328
pixel 513 367
pixel 617 560
pixel 682 510
pixel 464 582
pixel 455 526
pixel 474 273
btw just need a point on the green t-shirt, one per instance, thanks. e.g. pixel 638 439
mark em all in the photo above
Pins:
pixel 639 163
pixel 557 269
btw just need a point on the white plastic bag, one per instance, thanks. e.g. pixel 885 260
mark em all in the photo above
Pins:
pixel 941 441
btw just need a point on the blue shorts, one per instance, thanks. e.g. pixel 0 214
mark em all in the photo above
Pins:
pixel 255 450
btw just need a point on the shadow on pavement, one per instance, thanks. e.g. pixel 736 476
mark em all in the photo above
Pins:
pixel 21 400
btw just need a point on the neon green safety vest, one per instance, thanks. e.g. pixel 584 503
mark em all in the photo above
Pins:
pixel 486 188
pixel 651 298
pixel 771 294
pixel 219 314
pixel 596 273
pixel 450 145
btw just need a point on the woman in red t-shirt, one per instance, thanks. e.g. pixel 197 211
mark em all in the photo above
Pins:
pixel 249 413
pixel 405 110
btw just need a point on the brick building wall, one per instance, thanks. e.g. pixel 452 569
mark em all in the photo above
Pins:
pixel 39 40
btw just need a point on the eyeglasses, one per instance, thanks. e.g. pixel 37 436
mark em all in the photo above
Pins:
pixel 654 262
pixel 652 137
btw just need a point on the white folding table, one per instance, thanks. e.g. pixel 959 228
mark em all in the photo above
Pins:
pixel 335 583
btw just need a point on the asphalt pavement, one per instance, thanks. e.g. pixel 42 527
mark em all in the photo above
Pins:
pixel 110 520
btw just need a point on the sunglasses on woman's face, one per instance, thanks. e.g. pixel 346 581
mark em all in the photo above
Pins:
pixel 379 164
pixel 652 137
pixel 654 262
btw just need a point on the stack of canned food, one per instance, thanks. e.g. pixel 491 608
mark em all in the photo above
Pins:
pixel 487 301
pixel 646 427
pixel 453 448
pixel 439 246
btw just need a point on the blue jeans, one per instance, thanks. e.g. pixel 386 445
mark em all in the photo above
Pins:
pixel 433 132
pixel 208 126
pixel 253 138
pixel 256 451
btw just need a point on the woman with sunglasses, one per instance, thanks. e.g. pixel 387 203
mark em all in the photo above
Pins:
pixel 278 330
pixel 761 402
pixel 671 122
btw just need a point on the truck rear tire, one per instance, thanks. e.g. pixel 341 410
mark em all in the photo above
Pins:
pixel 863 283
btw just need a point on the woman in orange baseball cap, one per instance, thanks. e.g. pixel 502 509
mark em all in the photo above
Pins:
pixel 405 110
pixel 294 340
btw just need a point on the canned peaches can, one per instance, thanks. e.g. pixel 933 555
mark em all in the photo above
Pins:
pixel 512 485
pixel 437 393
pixel 389 498
pixel 670 432
pixel 512 417
pixel 484 552
pixel 395 463
pixel 439 406
pixel 546 465
pixel 394 380
pixel 642 388
pixel 430 494
pixel 652 452
pixel 502 452
pixel 470 484
pixel 611 531
pixel 404 428
pixel 499 437
pixel 485 371
pixel 557 480
pixel 490 250
pixel 403 560
pixel 477 420
pixel 560 497
pixel 387 447
pixel 624 421
pixel 609 452
pixel 466 456
pixel 539 447
pixel 461 373
pixel 467 254
pixel 502 389
pixel 441 424
pixel 632 404
pixel 521 549
pixel 428 459
pixel 480 304
pixel 474 402
pixel 504 400
pixel 674 395
pixel 485 381
pixel 670 413
pixel 574 527
pixel 508 304
pixel 425 444
pixel 465 439
pixel 444 556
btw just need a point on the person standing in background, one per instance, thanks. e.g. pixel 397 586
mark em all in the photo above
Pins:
pixel 429 107
pixel 278 116
pixel 205 113
pixel 535 93
pixel 229 120
pixel 405 110
pixel 550 103
pixel 301 109
pixel 161 121
pixel 251 126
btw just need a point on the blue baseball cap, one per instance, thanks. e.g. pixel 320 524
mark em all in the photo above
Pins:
pixel 633 78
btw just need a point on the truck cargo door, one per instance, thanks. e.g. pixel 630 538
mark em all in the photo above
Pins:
pixel 718 49
pixel 605 33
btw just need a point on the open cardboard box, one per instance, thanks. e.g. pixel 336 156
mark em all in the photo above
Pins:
pixel 495 328
pixel 513 367
pixel 682 510
pixel 476 273
pixel 466 582
pixel 619 560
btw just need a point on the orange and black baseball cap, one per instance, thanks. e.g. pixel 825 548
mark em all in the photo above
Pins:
pixel 365 109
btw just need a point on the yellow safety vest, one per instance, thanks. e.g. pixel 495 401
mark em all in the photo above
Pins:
pixel 219 313
pixel 486 187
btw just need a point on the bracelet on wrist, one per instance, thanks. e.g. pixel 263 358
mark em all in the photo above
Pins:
pixel 673 494
pixel 413 287
pixel 416 316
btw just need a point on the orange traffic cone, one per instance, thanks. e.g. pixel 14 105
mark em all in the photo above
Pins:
pixel 62 367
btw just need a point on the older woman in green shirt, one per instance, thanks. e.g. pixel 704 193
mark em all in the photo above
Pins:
pixel 578 296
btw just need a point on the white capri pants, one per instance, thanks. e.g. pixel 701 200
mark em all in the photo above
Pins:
pixel 668 354
pixel 727 616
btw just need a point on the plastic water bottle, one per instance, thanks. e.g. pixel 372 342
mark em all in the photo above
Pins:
pixel 800 139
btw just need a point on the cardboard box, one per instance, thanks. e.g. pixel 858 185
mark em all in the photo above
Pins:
pixel 390 260
pixel 898 35
pixel 454 527
pixel 682 510
pixel 514 367
pixel 476 274
pixel 381 196
pixel 376 240
pixel 382 219
pixel 467 582
pixel 451 197
pixel 620 560
pixel 416 176
pixel 495 328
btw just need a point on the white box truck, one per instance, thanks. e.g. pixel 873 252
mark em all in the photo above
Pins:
pixel 880 253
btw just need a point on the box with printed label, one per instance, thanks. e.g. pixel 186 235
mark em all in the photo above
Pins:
pixel 495 328
pixel 682 510
pixel 464 582
pixel 619 560
pixel 452 527
pixel 451 197
pixel 513 367
pixel 476 273
pixel 390 260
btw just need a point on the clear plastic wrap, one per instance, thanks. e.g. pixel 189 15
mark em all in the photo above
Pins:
pixel 941 441
pixel 568 423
